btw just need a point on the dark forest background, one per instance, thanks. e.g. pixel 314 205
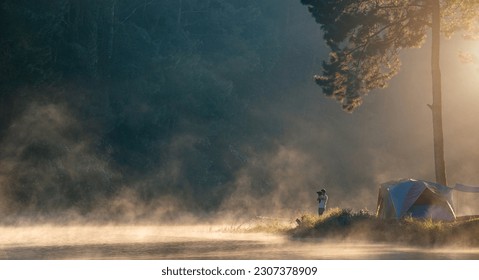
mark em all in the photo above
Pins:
pixel 160 97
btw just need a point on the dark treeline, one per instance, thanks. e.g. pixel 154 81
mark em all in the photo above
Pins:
pixel 155 96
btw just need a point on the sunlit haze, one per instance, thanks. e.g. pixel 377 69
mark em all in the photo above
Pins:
pixel 162 125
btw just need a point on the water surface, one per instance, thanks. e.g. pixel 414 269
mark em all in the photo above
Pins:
pixel 194 242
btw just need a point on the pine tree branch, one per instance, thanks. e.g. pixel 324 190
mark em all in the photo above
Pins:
pixel 367 40
pixel 400 7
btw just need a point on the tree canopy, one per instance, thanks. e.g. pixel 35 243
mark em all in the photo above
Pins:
pixel 366 37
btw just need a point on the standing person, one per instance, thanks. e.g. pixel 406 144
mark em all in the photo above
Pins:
pixel 322 200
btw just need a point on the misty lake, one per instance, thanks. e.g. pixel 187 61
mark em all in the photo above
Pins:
pixel 193 242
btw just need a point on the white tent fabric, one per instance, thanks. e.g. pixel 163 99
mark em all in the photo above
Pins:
pixel 465 188
pixel 416 198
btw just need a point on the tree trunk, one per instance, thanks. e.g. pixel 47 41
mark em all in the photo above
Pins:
pixel 440 165
pixel 180 12
pixel 111 36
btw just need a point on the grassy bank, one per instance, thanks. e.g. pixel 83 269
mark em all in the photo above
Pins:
pixel 347 225
pixel 344 224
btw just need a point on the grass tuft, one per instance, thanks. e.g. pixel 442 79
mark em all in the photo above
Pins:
pixel 265 225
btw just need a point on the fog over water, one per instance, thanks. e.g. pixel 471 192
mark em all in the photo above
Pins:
pixel 195 242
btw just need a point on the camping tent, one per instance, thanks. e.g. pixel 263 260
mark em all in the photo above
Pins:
pixel 415 198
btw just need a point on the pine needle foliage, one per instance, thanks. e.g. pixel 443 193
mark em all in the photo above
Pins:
pixel 365 38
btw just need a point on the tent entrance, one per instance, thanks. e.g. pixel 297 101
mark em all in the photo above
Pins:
pixel 429 205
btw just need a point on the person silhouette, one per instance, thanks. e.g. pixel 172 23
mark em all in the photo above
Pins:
pixel 322 201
